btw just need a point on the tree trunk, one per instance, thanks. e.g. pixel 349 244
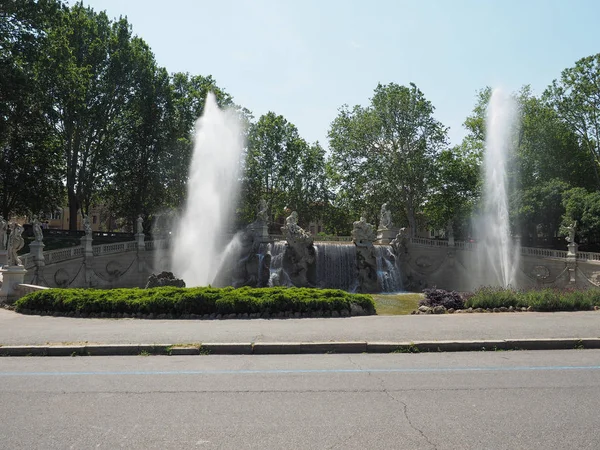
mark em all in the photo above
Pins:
pixel 73 210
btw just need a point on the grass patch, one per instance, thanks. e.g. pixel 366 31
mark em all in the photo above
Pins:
pixel 396 304
pixel 537 299
pixel 175 301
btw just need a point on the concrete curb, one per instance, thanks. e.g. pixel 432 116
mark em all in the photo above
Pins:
pixel 287 348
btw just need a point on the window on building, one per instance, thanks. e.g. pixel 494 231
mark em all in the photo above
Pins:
pixel 94 219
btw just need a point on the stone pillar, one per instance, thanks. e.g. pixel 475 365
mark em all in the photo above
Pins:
pixel 86 243
pixel 36 248
pixel 572 260
pixel 12 276
pixel 139 239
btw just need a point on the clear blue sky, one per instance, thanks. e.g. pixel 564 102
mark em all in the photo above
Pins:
pixel 305 58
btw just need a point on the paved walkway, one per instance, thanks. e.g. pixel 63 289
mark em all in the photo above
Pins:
pixel 17 329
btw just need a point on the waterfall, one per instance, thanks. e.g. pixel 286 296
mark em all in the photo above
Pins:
pixel 336 265
pixel 278 277
pixel 388 274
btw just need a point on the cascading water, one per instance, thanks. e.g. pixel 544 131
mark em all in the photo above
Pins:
pixel 336 265
pixel 211 192
pixel 388 274
pixel 278 276
pixel 498 256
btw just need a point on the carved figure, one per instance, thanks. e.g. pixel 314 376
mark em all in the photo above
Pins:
pixel 37 229
pixel 87 227
pixel 140 225
pixel 400 241
pixel 15 243
pixel 3 229
pixel 385 218
pixel 262 212
pixel 299 256
pixel 572 229
pixel 362 233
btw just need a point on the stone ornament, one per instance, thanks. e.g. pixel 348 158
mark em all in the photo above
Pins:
pixel 3 229
pixel 37 229
pixel 262 212
pixel 140 225
pixel 540 272
pixel 385 218
pixel 572 229
pixel 362 233
pixel 15 243
pixel 87 227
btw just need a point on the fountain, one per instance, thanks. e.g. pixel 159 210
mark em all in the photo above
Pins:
pixel 498 256
pixel 211 194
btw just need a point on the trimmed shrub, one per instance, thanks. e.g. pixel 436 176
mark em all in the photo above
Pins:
pixel 440 297
pixel 200 301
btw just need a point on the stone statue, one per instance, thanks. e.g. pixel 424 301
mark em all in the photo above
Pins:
pixel 87 227
pixel 300 255
pixel 262 212
pixel 15 243
pixel 385 218
pixel 3 229
pixel 362 233
pixel 140 225
pixel 450 230
pixel 37 230
pixel 399 244
pixel 572 229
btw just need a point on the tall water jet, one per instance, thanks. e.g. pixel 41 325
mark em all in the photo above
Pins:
pixel 498 255
pixel 211 193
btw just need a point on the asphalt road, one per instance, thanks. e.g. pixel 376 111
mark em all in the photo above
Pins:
pixel 17 329
pixel 485 400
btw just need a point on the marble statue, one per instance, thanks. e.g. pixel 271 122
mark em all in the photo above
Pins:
pixel 363 233
pixel 262 212
pixel 37 229
pixel 399 244
pixel 140 225
pixel 3 229
pixel 87 227
pixel 385 218
pixel 15 243
pixel 300 255
pixel 572 229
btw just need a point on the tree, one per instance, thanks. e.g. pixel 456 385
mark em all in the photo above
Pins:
pixel 283 169
pixel 30 164
pixel 87 72
pixel 386 152
pixel 576 100
pixel 455 190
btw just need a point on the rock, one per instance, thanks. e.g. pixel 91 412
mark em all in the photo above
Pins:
pixel 439 310
pixel 232 316
pixel 335 314
pixel 151 316
pixel 511 308
pixel 297 314
pixel 596 308
pixel 305 314
pixel 345 313
pixel 424 308
pixel 244 315
pixel 356 310
pixel 496 310
pixel 530 308
pixel 503 309
pixel 266 315
pixel 479 310
pixel 450 310
pixel 219 316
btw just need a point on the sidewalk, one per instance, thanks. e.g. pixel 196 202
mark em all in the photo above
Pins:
pixel 20 330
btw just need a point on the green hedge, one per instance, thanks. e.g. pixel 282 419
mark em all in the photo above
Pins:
pixel 199 301
pixel 538 299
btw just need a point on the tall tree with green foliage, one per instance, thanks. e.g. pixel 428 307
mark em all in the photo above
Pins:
pixel 88 74
pixel 576 99
pixel 281 168
pixel 30 163
pixel 386 152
